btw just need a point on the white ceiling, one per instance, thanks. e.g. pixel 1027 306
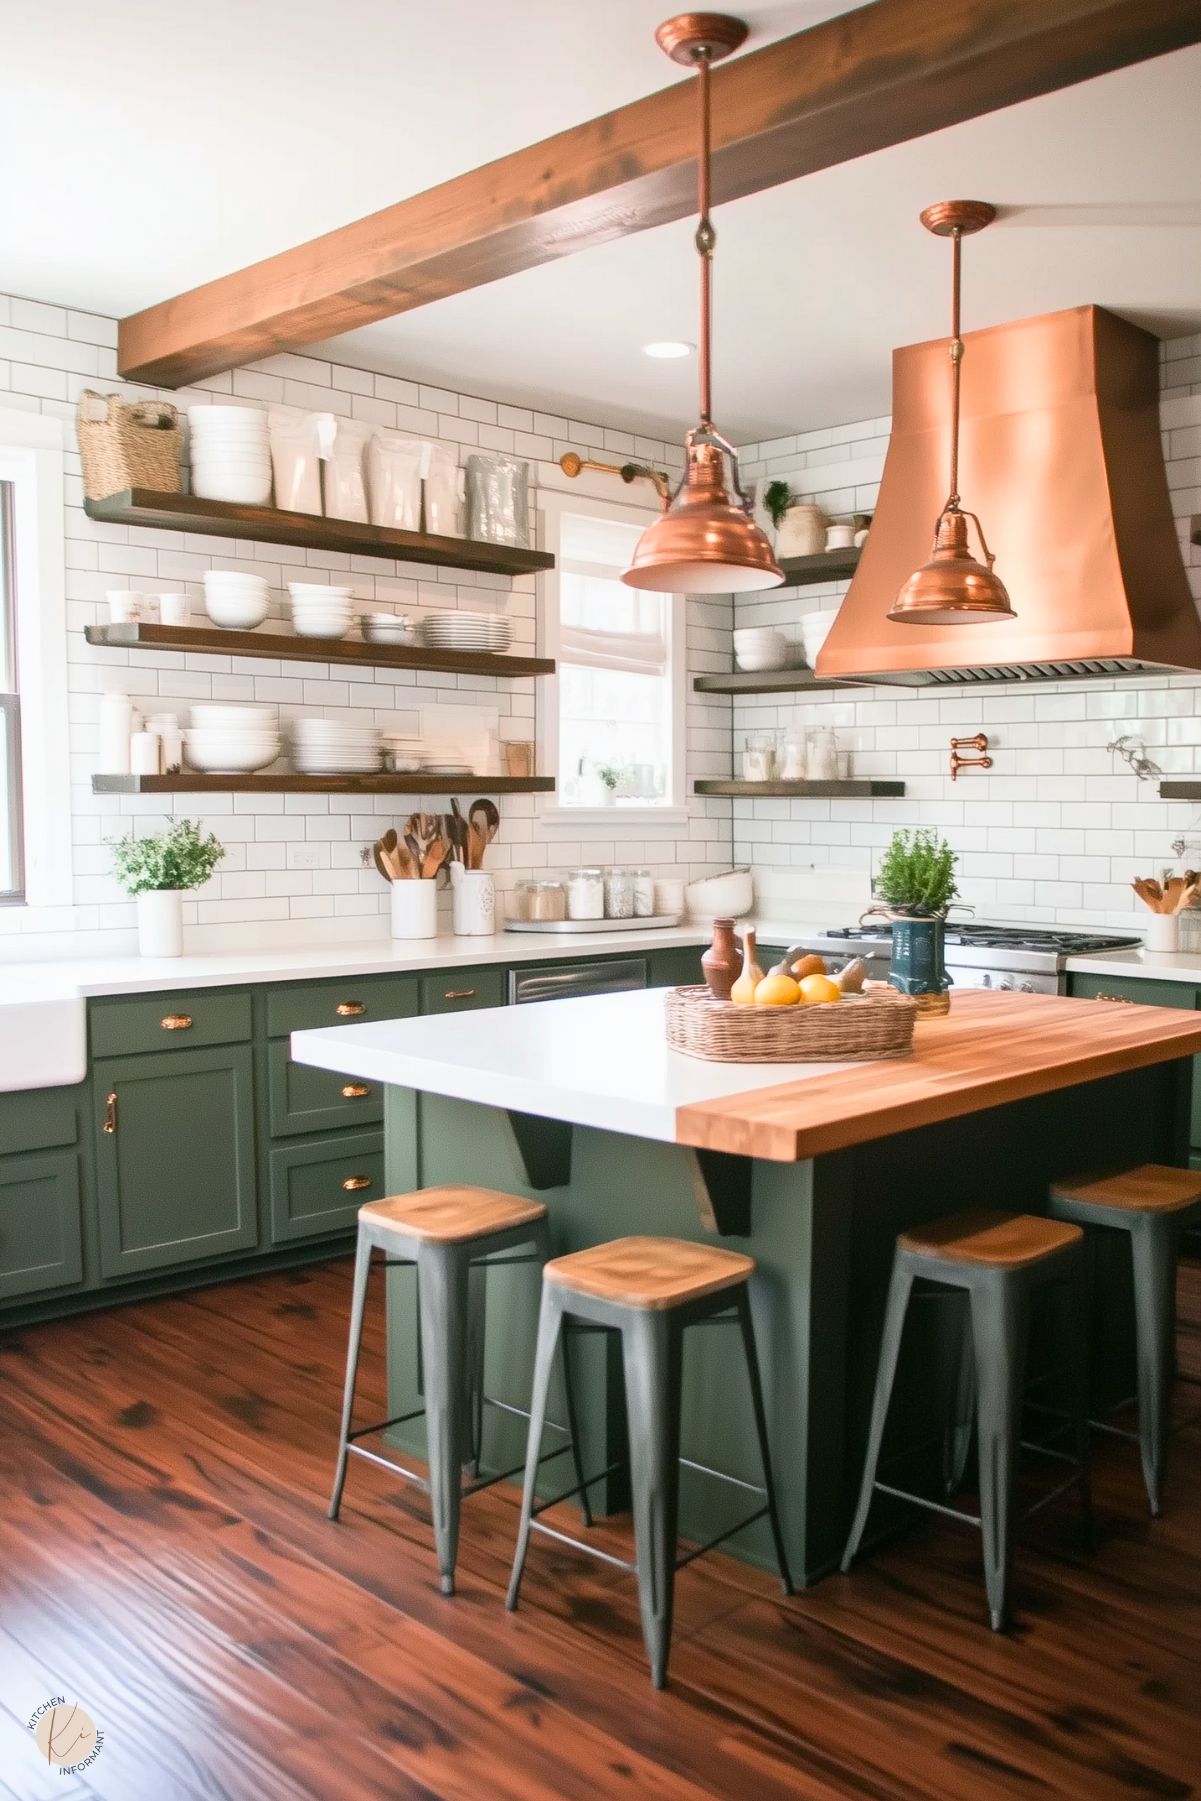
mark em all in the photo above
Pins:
pixel 147 150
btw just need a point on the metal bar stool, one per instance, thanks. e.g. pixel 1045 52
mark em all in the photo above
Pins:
pixel 999 1260
pixel 650 1290
pixel 451 1236
pixel 1155 1205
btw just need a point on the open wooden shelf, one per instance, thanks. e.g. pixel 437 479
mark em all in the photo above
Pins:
pixel 1186 788
pixel 309 531
pixel 287 647
pixel 800 790
pixel 1194 528
pixel 823 566
pixel 188 782
pixel 771 681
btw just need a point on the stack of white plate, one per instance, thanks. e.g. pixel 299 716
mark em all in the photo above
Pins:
pixel 231 740
pixel 231 456
pixel 467 631
pixel 815 629
pixel 331 747
pixel 320 610
pixel 238 602
pixel 762 647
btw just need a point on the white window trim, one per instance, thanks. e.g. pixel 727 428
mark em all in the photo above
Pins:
pixel 31 458
pixel 551 508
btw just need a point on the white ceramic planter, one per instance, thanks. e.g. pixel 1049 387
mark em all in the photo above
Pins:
pixel 1161 932
pixel 802 531
pixel 473 901
pixel 415 909
pixel 160 922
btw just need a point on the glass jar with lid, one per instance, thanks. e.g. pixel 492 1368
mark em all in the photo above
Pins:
pixel 541 899
pixel 644 894
pixel 619 893
pixel 586 893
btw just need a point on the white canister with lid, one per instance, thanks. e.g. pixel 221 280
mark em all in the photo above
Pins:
pixel 644 894
pixel 473 902
pixel 116 724
pixel 586 893
pixel 619 893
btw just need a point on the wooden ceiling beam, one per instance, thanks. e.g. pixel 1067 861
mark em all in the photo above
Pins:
pixel 860 82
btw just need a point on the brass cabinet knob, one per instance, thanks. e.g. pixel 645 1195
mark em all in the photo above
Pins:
pixel 1123 1000
pixel 176 1022
pixel 459 994
pixel 355 1091
pixel 348 1009
pixel 110 1113
pixel 353 1182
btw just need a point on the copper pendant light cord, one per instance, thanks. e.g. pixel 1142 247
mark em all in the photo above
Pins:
pixel 956 363
pixel 706 237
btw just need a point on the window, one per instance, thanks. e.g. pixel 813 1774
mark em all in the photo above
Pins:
pixel 613 727
pixel 11 857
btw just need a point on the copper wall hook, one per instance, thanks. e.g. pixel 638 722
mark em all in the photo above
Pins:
pixel 979 742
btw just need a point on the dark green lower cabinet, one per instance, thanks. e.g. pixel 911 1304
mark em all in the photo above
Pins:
pixel 320 1187
pixel 305 1099
pixel 1121 989
pixel 40 1241
pixel 174 1157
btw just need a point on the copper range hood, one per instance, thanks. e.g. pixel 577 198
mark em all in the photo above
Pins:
pixel 1060 451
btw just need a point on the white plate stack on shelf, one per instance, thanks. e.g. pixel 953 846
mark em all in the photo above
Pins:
pixel 762 647
pixel 231 740
pixel 236 601
pixel 320 610
pixel 467 631
pixel 815 629
pixel 230 454
pixel 331 747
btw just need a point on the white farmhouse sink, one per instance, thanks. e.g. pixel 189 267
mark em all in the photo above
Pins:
pixel 43 1039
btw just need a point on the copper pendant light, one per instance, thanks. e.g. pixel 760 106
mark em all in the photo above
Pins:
pixel 953 588
pixel 707 541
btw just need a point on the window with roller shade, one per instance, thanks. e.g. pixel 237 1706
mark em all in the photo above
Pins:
pixel 11 848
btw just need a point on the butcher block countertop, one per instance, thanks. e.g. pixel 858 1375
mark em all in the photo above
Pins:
pixel 992 1048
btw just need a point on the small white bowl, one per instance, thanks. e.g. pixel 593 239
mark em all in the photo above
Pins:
pixel 245 491
pixel 234 581
pixel 238 613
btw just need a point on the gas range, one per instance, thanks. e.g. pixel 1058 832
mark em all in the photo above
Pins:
pixel 1031 959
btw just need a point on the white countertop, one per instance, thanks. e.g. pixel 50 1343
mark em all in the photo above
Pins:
pixel 602 1061
pixel 1158 966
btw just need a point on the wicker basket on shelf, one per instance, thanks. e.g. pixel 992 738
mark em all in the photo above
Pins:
pixel 128 444
pixel 854 1029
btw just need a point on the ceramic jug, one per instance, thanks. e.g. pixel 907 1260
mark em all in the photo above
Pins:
pixel 473 901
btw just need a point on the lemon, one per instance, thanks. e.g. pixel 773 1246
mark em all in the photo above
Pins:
pixel 815 989
pixel 777 991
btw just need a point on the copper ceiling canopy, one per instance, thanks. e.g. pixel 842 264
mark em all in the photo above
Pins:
pixel 1060 449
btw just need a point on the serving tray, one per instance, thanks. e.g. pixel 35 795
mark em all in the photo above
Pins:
pixel 567 926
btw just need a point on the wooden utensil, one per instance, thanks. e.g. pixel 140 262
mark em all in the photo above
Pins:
pixel 434 858
pixel 483 820
pixel 381 861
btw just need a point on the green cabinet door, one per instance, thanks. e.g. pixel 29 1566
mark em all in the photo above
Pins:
pixel 318 1186
pixel 302 1098
pixel 461 990
pixel 40 1242
pixel 175 1174
pixel 679 967
pixel 1120 989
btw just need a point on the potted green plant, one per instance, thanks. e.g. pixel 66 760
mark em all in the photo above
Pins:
pixel 915 885
pixel 608 775
pixel 158 870
pixel 777 498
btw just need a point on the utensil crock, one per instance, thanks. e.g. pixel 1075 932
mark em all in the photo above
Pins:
pixel 414 909
pixel 1161 932
pixel 473 902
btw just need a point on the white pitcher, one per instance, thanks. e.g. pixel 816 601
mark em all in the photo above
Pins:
pixel 473 901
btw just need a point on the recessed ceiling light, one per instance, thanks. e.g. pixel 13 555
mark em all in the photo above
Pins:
pixel 668 348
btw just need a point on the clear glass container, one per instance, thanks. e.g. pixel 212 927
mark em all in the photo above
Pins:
pixel 822 755
pixel 541 900
pixel 644 894
pixel 619 893
pixel 586 893
pixel 759 760
pixel 793 758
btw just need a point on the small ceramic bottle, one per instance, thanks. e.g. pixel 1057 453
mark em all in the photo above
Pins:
pixel 722 962
pixel 743 991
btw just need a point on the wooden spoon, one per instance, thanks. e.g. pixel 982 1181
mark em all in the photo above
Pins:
pixel 381 863
pixel 434 858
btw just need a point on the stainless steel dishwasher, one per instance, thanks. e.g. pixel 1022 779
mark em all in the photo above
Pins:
pixel 564 981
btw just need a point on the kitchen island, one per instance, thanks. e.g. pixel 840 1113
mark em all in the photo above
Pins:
pixel 812 1168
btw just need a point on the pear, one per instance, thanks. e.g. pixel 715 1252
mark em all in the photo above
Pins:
pixel 851 979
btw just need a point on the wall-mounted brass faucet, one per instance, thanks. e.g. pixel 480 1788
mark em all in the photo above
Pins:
pixel 979 742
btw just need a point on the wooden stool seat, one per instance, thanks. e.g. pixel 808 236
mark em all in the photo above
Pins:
pixel 650 1272
pixel 1147 1188
pixel 451 1215
pixel 998 1240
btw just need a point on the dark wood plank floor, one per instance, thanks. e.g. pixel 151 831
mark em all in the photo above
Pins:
pixel 166 1562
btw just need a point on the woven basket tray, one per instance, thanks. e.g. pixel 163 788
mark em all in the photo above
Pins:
pixel 857 1028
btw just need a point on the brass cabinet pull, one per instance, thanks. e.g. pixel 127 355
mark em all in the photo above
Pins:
pixel 348 1009
pixel 353 1182
pixel 1123 1000
pixel 355 1091
pixel 459 994
pixel 176 1022
pixel 110 1113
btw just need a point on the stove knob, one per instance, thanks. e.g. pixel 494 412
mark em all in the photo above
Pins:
pixel 1026 988
pixel 1005 983
pixel 986 980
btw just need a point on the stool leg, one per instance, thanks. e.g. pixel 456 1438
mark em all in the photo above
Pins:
pixel 746 1326
pixel 573 1425
pixel 886 1368
pixel 1078 1328
pixel 442 1284
pixel 473 1366
pixel 362 1269
pixel 1153 1253
pixel 999 1319
pixel 550 1320
pixel 651 1347
pixel 958 1439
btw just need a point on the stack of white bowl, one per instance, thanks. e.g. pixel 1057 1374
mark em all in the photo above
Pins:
pixel 334 747
pixel 231 740
pixel 237 601
pixel 320 610
pixel 762 647
pixel 231 455
pixel 815 629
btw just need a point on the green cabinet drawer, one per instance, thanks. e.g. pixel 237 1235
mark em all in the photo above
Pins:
pixel 175 1174
pixel 306 1005
pixel 38 1119
pixel 675 968
pixel 41 1244
pixel 458 990
pixel 303 1099
pixel 1134 988
pixel 168 1022
pixel 319 1187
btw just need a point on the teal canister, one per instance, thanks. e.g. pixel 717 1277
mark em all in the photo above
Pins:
pixel 917 965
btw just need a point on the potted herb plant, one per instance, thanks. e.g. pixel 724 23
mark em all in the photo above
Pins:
pixel 800 524
pixel 608 775
pixel 158 870
pixel 915 885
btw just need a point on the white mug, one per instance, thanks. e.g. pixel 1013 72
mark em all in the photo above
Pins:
pixel 124 605
pixel 173 609
pixel 839 537
pixel 473 902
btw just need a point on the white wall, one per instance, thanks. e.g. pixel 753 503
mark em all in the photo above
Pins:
pixel 1058 827
pixel 293 861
